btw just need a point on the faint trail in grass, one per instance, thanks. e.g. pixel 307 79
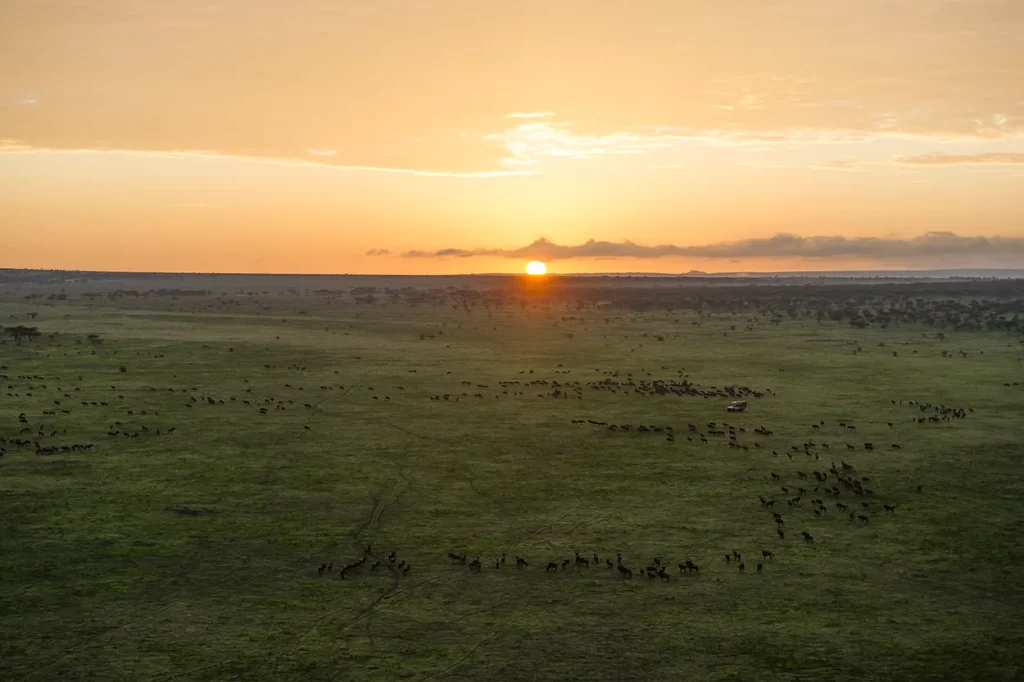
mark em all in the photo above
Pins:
pixel 449 577
pixel 458 662
pixel 372 518
pixel 549 526
pixel 95 637
pixel 128 623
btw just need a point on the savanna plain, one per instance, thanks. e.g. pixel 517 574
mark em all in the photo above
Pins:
pixel 356 478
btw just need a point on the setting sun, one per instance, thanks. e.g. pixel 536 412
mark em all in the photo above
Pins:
pixel 535 267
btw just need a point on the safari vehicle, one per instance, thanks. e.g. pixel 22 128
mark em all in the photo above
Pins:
pixel 737 406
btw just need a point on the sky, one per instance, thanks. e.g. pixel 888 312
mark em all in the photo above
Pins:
pixel 456 136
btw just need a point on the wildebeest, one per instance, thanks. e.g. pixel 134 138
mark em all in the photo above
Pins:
pixel 689 567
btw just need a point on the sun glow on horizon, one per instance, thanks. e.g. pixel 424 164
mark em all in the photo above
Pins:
pixel 536 267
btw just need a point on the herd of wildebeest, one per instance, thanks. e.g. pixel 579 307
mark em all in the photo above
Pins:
pixel 843 485
pixel 810 492
pixel 835 483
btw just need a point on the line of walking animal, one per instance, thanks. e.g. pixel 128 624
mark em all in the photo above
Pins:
pixel 656 569
pixel 390 562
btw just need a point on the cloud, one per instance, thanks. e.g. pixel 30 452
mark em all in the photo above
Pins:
pixel 837 165
pixel 928 246
pixel 941 159
pixel 322 151
pixel 378 252
pixel 529 143
pixel 10 146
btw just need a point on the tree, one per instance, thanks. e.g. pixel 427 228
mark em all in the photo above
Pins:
pixel 22 332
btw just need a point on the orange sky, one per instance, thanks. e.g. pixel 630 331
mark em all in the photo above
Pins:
pixel 259 136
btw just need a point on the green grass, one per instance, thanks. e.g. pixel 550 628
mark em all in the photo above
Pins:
pixel 103 577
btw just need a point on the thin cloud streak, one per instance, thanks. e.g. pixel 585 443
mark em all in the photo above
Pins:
pixel 8 146
pixel 530 114
pixel 941 159
pixel 930 245
pixel 528 143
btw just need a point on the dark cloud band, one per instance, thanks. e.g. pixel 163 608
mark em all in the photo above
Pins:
pixel 930 245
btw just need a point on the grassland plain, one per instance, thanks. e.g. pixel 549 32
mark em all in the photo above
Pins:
pixel 193 554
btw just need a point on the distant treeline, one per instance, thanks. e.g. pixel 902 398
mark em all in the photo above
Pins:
pixel 955 304
pixel 991 305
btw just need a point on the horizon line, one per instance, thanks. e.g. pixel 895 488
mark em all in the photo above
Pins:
pixel 689 274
